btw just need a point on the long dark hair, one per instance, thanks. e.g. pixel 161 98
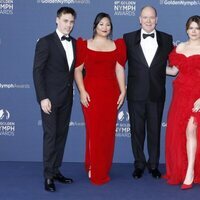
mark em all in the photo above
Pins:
pixel 98 18
pixel 195 18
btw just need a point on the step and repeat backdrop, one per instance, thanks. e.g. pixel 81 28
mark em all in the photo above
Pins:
pixel 22 22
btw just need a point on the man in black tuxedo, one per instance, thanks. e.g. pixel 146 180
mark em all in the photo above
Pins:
pixel 53 74
pixel 147 51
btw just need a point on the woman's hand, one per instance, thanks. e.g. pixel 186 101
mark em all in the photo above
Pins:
pixel 196 107
pixel 120 100
pixel 85 98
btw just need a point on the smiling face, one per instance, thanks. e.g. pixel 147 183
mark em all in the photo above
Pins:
pixel 193 31
pixel 148 19
pixel 103 28
pixel 65 23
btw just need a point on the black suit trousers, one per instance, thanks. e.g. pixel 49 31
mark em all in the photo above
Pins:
pixel 55 125
pixel 145 116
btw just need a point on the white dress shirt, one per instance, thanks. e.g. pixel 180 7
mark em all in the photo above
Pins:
pixel 68 48
pixel 149 46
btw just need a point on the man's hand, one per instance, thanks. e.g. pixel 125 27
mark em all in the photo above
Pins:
pixel 46 106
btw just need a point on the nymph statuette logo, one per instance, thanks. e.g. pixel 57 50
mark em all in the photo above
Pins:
pixel 123 125
pixel 4 114
pixel 7 127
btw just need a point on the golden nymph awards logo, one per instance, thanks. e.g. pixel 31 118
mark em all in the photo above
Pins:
pixel 7 127
pixel 64 1
pixel 180 2
pixel 125 8
pixel 123 125
pixel 6 7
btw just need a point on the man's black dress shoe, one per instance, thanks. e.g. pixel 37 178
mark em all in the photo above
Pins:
pixel 155 173
pixel 60 178
pixel 49 185
pixel 137 173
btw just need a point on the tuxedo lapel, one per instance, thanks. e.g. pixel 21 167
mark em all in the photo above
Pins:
pixel 158 53
pixel 59 45
pixel 138 48
pixel 74 52
pixel 61 48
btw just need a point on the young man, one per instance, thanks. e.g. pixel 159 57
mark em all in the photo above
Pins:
pixel 53 74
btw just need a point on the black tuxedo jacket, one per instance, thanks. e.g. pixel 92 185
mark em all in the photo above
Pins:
pixel 51 74
pixel 146 82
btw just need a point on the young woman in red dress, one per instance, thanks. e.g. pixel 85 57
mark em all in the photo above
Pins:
pixel 102 92
pixel 183 125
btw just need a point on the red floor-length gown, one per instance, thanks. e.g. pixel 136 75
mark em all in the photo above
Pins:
pixel 186 90
pixel 100 117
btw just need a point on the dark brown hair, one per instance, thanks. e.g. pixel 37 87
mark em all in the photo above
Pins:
pixel 195 18
pixel 66 10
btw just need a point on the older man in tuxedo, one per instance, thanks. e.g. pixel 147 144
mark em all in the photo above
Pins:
pixel 53 74
pixel 147 51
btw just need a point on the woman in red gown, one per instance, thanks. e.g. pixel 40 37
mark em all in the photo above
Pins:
pixel 183 125
pixel 102 92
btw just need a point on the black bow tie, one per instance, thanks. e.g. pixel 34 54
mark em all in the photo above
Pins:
pixel 147 35
pixel 66 38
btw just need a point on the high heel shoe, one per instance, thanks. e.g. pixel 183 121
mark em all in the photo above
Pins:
pixel 186 186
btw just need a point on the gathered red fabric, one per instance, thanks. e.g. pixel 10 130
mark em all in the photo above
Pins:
pixel 100 117
pixel 186 90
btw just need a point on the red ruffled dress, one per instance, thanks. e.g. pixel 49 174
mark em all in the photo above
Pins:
pixel 186 90
pixel 100 117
